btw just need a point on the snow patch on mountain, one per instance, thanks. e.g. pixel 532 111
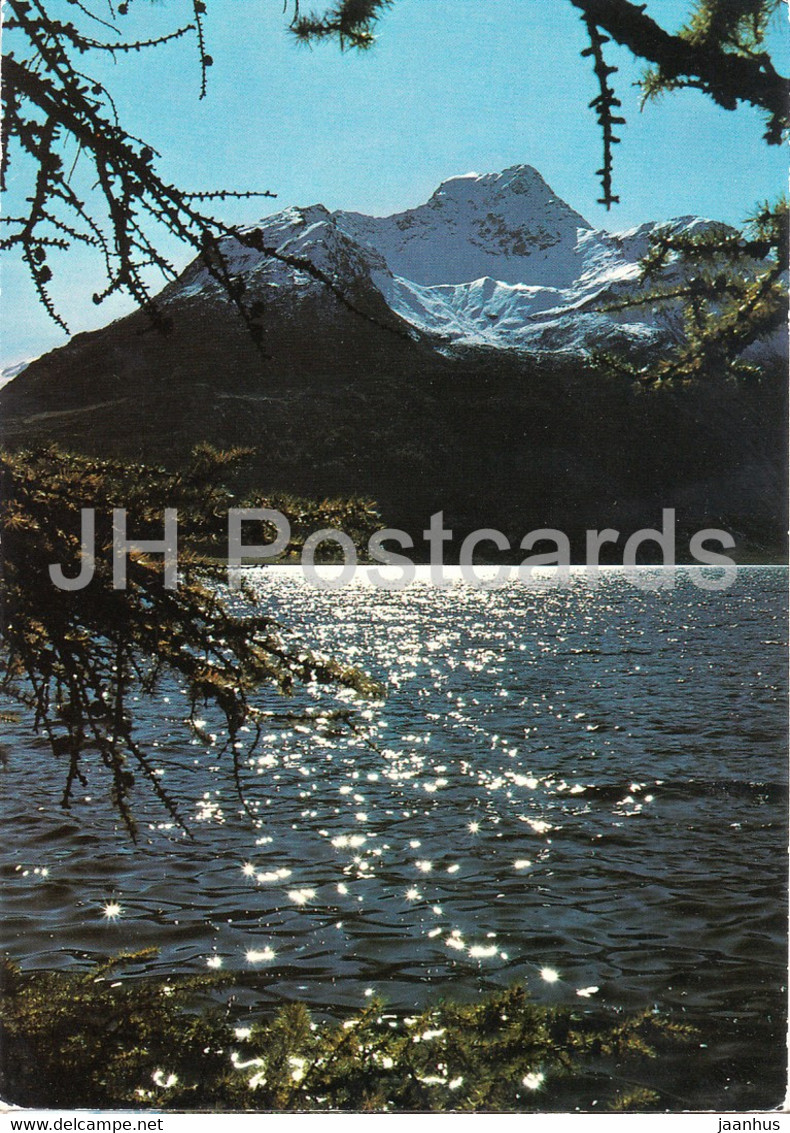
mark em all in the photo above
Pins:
pixel 288 240
pixel 10 372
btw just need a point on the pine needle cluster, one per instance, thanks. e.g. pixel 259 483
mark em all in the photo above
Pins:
pixel 350 23
pixel 94 1040
pixel 78 659
pixel 737 28
pixel 732 294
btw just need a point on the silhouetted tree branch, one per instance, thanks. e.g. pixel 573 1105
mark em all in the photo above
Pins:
pixel 720 52
pixel 604 103
pixel 712 64
pixel 47 100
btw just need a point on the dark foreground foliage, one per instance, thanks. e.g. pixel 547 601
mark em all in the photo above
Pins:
pixel 92 1040
pixel 79 658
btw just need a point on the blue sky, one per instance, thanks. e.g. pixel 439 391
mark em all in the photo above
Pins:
pixel 450 87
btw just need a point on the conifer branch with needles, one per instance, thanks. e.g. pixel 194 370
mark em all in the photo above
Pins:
pixel 733 294
pixel 703 55
pixel 49 105
pixel 77 658
pixel 350 23
pixel 604 104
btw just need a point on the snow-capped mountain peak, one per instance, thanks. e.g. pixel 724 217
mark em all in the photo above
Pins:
pixel 494 259
pixel 517 195
pixel 472 226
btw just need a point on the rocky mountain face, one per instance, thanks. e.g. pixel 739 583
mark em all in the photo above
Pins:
pixel 435 360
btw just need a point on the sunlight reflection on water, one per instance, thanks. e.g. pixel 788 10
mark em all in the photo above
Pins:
pixel 580 788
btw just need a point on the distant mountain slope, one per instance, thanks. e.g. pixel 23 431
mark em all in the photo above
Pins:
pixel 435 360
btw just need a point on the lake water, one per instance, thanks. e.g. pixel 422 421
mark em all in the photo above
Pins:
pixel 587 783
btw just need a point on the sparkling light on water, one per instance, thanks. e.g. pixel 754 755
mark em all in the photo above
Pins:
pixel 301 896
pixel 572 816
pixel 259 955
